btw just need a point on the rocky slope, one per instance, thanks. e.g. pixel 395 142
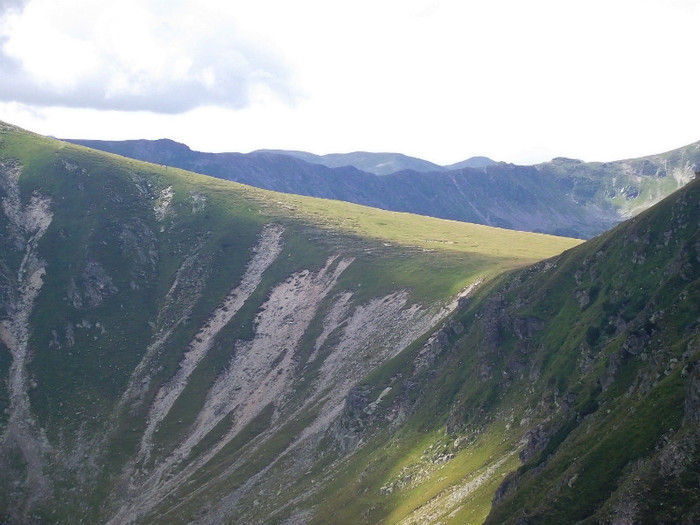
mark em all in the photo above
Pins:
pixel 179 349
pixel 565 393
pixel 562 197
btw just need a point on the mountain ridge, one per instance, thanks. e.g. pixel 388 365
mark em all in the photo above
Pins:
pixel 564 197
pixel 380 163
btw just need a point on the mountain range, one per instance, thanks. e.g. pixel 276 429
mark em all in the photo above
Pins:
pixel 563 197
pixel 178 348
pixel 380 163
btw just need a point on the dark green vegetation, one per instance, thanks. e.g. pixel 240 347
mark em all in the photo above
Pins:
pixel 587 365
pixel 182 349
pixel 561 197
pixel 166 338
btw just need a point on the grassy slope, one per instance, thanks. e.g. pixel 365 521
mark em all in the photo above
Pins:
pixel 593 392
pixel 103 217
pixel 599 342
pixel 626 364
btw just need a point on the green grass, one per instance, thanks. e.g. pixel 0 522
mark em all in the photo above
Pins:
pixel 427 233
pixel 597 466
pixel 587 447
pixel 95 195
pixel 388 483
pixel 103 214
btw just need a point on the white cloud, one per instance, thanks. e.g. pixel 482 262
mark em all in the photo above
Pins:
pixel 440 79
pixel 131 56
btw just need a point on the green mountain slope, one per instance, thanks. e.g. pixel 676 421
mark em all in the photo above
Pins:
pixel 181 349
pixel 178 349
pixel 566 392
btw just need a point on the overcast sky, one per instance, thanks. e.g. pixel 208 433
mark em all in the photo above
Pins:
pixel 518 81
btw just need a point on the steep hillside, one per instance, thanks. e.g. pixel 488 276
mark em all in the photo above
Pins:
pixel 179 349
pixel 182 349
pixel 567 392
pixel 562 197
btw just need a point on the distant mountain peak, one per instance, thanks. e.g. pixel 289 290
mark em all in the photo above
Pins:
pixel 377 163
pixel 565 160
pixel 472 162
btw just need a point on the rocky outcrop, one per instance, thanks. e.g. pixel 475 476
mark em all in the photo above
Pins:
pixel 534 441
pixel 92 287
pixel 348 429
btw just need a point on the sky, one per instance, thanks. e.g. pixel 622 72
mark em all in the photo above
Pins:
pixel 443 80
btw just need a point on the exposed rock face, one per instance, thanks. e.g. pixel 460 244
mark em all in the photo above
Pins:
pixel 535 440
pixel 93 286
pixel 348 429
pixel 525 327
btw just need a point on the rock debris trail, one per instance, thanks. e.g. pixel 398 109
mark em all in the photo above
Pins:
pixel 364 341
pixel 335 317
pixel 268 248
pixel 264 254
pixel 367 334
pixel 162 203
pixel 27 224
pixel 259 373
pixel 177 306
pixel 259 370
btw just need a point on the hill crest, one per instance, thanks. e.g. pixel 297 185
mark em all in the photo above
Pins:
pixel 563 197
